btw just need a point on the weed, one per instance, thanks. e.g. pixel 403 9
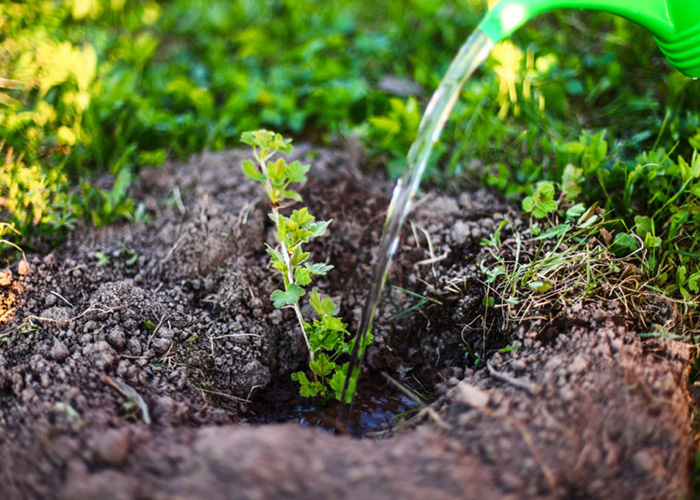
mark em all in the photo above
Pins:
pixel 326 337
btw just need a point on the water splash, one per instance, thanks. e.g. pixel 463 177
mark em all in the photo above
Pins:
pixel 470 56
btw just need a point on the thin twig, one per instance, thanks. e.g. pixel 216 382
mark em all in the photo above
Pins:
pixel 530 387
pixel 229 396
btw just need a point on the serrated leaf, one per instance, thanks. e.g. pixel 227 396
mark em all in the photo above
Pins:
pixel 281 144
pixel 277 172
pixel 322 366
pixel 287 298
pixel 301 217
pixel 544 207
pixel 276 254
pixel 332 323
pixel 337 384
pixel 281 266
pixel 319 228
pixel 320 338
pixel 248 138
pixel 299 257
pixel 297 172
pixel 306 388
pixel 323 307
pixel 319 268
pixel 251 171
pixel 302 276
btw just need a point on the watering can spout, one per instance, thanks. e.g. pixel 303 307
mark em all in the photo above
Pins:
pixel 675 24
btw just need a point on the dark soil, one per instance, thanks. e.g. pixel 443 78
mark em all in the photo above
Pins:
pixel 140 360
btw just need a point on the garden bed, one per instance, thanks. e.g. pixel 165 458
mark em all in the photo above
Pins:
pixel 144 360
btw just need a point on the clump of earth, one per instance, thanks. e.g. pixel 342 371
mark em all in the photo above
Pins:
pixel 145 360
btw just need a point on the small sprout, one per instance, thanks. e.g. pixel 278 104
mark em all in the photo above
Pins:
pixel 102 258
pixel 70 412
pixel 325 337
pixel 541 202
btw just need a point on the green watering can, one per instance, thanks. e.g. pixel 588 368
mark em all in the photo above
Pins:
pixel 675 24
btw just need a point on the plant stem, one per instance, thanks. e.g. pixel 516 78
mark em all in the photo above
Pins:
pixel 290 280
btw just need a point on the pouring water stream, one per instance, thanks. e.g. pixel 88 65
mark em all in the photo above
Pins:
pixel 470 56
pixel 674 24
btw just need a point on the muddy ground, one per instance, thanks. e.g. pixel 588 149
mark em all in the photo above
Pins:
pixel 141 361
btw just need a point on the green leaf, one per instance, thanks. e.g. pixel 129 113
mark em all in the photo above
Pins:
pixel 681 274
pixel 575 212
pixel 297 172
pixel 275 254
pixel 299 257
pixel 542 200
pixel 651 241
pixel 336 383
pixel 324 307
pixel 570 182
pixel 695 141
pixel 289 297
pixel 694 282
pixel 277 172
pixel 281 266
pixel 248 138
pixel 625 243
pixel 277 260
pixel 301 217
pixel 251 171
pixel 306 389
pixel 319 228
pixel 281 144
pixel 332 323
pixel 322 366
pixel 543 208
pixel 540 286
pixel 322 339
pixel 302 276
pixel 292 195
pixel 643 226
pixel 319 268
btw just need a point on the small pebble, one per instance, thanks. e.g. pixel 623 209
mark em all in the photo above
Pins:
pixel 59 351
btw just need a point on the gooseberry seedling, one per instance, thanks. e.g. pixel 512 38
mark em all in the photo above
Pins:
pixel 326 336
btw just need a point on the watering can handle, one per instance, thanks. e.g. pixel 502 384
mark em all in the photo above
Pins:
pixel 674 23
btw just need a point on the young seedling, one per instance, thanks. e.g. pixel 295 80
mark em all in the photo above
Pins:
pixel 326 336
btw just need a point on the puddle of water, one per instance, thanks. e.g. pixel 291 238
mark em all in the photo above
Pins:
pixel 375 410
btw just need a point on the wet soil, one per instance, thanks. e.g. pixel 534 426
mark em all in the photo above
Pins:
pixel 146 361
